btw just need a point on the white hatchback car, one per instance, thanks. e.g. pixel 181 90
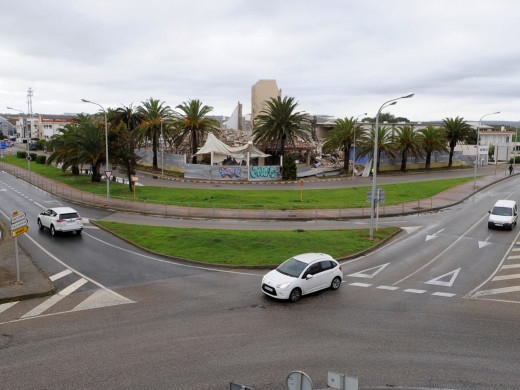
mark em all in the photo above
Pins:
pixel 301 275
pixel 60 219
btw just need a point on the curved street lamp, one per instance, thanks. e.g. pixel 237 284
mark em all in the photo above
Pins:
pixel 24 136
pixel 354 151
pixel 477 152
pixel 374 176
pixel 106 144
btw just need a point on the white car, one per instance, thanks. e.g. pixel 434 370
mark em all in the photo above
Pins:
pixel 60 219
pixel 301 275
pixel 504 214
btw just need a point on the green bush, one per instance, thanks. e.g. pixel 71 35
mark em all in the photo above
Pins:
pixel 21 154
pixel 33 156
pixel 41 144
pixel 41 159
pixel 289 167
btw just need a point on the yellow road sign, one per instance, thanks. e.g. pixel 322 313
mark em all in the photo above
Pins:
pixel 17 232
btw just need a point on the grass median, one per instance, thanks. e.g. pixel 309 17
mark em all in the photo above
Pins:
pixel 354 197
pixel 246 247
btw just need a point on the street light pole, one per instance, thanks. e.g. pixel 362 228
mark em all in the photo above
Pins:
pixel 354 151
pixel 24 135
pixel 374 160
pixel 477 152
pixel 106 144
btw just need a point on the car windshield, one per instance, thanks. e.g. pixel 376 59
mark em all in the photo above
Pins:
pixel 505 211
pixel 69 215
pixel 292 267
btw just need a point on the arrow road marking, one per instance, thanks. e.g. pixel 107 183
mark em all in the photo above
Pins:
pixel 437 281
pixel 482 244
pixel 434 235
pixel 364 274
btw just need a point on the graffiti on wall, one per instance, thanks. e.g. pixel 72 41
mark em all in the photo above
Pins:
pixel 263 172
pixel 229 172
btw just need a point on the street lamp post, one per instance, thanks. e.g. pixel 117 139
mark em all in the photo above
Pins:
pixel 24 135
pixel 106 144
pixel 477 152
pixel 374 176
pixel 354 151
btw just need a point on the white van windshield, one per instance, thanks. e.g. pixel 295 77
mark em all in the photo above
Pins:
pixel 504 211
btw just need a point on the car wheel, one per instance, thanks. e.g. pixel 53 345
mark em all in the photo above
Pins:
pixel 336 282
pixel 78 232
pixel 53 231
pixel 295 295
pixel 40 226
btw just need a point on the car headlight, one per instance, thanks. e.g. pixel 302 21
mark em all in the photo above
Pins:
pixel 283 285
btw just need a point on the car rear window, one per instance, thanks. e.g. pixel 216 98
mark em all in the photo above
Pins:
pixel 69 215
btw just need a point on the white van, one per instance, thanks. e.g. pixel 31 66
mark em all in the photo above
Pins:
pixel 503 215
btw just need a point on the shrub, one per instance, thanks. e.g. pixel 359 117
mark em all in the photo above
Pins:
pixel 33 156
pixel 41 159
pixel 289 167
pixel 41 144
pixel 21 154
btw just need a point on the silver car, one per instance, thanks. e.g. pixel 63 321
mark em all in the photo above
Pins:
pixel 60 219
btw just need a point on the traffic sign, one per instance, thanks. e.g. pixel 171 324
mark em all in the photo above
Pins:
pixel 28 158
pixel 108 174
pixel 135 178
pixel 17 232
pixel 18 217
pixel 19 224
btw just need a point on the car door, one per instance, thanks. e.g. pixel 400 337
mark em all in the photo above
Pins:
pixel 311 279
pixel 45 218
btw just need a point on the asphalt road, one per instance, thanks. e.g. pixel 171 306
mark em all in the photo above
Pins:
pixel 437 308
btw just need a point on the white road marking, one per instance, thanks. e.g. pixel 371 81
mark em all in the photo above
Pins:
pixel 414 291
pixel 513 257
pixel 5 306
pixel 515 249
pixel 55 299
pixel 505 277
pixel 482 244
pixel 391 288
pixel 509 266
pixel 503 290
pixel 360 284
pixel 432 236
pixel 410 229
pixel 443 294
pixel 437 281
pixel 60 275
pixel 364 274
pixel 100 298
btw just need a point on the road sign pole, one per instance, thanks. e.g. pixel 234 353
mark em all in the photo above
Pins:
pixel 16 259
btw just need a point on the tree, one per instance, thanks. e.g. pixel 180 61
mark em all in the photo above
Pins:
pixel 151 112
pixel 456 130
pixel 342 136
pixel 192 122
pixel 289 168
pixel 432 140
pixel 385 143
pixel 63 149
pixel 278 123
pixel 121 139
pixel 386 117
pixel 409 143
pixel 90 143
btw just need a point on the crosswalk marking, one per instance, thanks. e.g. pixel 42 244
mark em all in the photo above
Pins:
pixel 506 277
pixel 55 299
pixel 497 291
pixel 5 306
pixel 60 275
pixel 509 266
pixel 513 257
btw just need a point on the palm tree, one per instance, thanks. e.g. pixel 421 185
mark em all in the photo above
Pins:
pixel 385 143
pixel 456 130
pixel 64 149
pixel 341 136
pixel 90 143
pixel 192 122
pixel 151 112
pixel 278 123
pixel 433 139
pixel 409 143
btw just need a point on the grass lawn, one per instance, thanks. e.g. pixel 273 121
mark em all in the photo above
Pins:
pixel 245 247
pixel 274 199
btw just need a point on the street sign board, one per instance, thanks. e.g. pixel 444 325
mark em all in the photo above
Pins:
pixel 108 174
pixel 18 217
pixel 19 224
pixel 28 158
pixel 3 145
pixel 17 232
pixel 135 178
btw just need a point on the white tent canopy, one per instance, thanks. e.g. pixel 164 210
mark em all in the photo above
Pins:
pixel 220 151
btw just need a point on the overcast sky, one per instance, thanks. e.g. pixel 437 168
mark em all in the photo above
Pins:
pixel 338 58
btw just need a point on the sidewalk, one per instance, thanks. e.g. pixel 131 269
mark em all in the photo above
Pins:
pixel 34 283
